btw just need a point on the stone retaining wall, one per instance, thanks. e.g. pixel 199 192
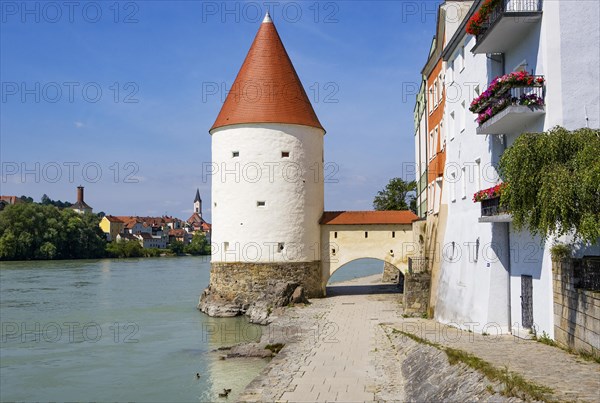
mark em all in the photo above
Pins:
pixel 416 293
pixel 576 311
pixel 250 280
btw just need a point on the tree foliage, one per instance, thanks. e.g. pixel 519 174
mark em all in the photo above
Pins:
pixel 554 182
pixel 58 203
pixel 198 246
pixel 397 195
pixel 130 249
pixel 34 231
pixel 176 247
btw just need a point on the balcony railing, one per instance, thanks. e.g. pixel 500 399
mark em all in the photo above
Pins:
pixel 510 103
pixel 492 207
pixel 493 211
pixel 508 21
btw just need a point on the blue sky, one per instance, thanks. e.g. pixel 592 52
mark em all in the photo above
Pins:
pixel 120 98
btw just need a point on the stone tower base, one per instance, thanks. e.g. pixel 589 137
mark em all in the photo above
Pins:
pixel 255 289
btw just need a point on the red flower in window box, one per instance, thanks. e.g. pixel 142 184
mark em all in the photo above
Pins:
pixel 490 193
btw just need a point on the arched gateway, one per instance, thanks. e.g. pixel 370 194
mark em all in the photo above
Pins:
pixel 352 235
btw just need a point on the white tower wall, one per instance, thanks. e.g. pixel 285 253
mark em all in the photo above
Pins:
pixel 291 188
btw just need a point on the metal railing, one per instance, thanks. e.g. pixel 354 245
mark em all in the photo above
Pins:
pixel 508 6
pixel 492 207
pixel 533 96
pixel 586 272
pixel 417 265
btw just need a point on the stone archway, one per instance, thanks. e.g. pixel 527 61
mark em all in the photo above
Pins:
pixel 390 243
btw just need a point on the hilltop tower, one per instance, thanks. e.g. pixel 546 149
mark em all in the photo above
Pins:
pixel 268 193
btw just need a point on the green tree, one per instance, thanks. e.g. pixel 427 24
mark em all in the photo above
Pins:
pixel 45 200
pixel 554 182
pixel 198 246
pixel 397 195
pixel 133 249
pixel 34 231
pixel 152 252
pixel 176 247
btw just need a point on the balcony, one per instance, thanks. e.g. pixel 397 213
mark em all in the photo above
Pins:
pixel 506 24
pixel 510 104
pixel 492 211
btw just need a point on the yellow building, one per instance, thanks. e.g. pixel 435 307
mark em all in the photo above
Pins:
pixel 111 226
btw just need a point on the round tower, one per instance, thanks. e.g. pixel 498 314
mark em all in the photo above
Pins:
pixel 267 186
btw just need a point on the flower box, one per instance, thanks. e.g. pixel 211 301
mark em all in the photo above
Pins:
pixel 480 19
pixel 516 88
pixel 490 193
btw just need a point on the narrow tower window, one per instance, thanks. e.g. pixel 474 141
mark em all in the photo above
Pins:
pixel 235 154
pixel 280 246
pixel 393 234
pixel 335 234
pixel 366 234
pixel 285 154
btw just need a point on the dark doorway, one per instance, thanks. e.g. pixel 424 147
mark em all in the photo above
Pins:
pixel 527 301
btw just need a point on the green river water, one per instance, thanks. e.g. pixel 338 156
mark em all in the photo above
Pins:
pixel 119 330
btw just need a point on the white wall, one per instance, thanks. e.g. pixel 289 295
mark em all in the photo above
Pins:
pixel 473 283
pixel 579 62
pixel 292 189
pixel 568 57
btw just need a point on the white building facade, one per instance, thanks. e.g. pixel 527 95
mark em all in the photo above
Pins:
pixel 493 275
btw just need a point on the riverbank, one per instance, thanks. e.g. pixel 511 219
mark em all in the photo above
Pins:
pixel 356 345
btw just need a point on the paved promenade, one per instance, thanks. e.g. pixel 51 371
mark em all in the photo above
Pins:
pixel 333 361
pixel 338 351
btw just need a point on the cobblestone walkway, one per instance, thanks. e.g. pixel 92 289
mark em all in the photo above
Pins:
pixel 337 351
pixel 571 377
pixel 338 364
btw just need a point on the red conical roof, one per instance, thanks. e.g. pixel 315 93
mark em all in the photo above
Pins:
pixel 267 88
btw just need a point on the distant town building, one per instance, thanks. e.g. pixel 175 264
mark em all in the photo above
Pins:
pixel 80 206
pixel 6 200
pixel 145 239
pixel 180 235
pixel 111 226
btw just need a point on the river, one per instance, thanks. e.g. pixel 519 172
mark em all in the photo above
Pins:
pixel 119 330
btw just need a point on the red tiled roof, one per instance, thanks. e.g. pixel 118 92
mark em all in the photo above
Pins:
pixel 112 218
pixel 267 88
pixel 368 217
pixel 195 218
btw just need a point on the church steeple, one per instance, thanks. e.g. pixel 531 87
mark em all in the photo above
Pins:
pixel 198 203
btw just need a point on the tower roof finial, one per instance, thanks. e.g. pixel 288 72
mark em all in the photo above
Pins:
pixel 267 18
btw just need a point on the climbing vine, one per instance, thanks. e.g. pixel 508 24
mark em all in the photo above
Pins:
pixel 554 182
